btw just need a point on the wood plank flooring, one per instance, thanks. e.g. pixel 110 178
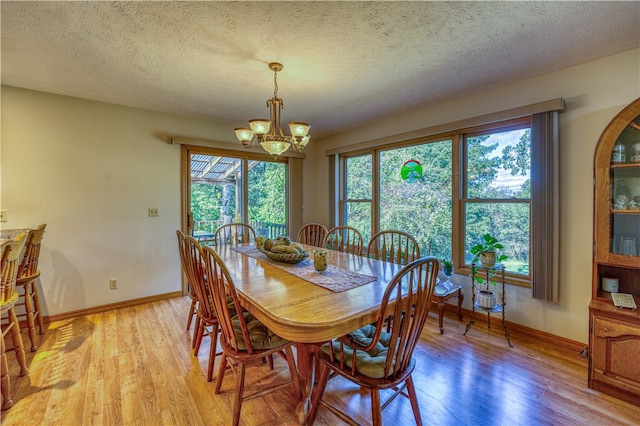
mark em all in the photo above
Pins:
pixel 134 366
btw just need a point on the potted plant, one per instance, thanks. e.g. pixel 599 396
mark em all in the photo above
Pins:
pixel 447 267
pixel 486 252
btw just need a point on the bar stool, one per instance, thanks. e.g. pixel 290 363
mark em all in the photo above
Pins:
pixel 28 273
pixel 10 260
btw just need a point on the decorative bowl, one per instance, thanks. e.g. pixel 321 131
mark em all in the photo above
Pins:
pixel 285 257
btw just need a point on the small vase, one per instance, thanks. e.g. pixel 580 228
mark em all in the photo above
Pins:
pixel 486 299
pixel 320 259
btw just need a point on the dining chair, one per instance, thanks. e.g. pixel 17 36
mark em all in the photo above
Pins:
pixel 375 358
pixel 10 252
pixel 312 234
pixel 193 307
pixel 394 246
pixel 343 238
pixel 243 338
pixel 234 234
pixel 28 295
pixel 207 320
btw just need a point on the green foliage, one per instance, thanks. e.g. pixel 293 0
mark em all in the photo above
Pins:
pixel 210 202
pixel 421 208
pixel 488 243
pixel 267 192
pixel 516 158
pixel 205 202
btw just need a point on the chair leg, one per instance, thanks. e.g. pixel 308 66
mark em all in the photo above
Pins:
pixel 18 346
pixel 37 308
pixel 413 397
pixel 270 361
pixel 318 390
pixel 198 338
pixel 31 323
pixel 221 370
pixel 192 311
pixel 5 382
pixel 195 332
pixel 376 412
pixel 237 403
pixel 212 351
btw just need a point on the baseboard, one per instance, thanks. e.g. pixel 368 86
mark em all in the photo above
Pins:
pixel 519 329
pixel 110 307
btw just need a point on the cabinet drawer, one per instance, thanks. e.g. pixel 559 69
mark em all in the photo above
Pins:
pixel 604 327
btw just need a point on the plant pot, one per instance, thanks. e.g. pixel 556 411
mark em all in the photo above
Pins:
pixel 447 270
pixel 488 258
pixel 486 299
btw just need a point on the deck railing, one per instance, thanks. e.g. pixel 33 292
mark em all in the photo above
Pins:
pixel 204 230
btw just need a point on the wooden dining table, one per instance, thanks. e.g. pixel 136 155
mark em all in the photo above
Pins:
pixel 284 298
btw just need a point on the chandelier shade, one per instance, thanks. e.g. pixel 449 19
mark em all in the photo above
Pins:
pixel 268 133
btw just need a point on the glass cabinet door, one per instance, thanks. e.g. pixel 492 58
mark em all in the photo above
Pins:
pixel 625 192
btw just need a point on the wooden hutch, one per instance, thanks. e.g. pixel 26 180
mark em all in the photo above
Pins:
pixel 614 332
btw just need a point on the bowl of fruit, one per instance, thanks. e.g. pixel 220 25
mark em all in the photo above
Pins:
pixel 283 249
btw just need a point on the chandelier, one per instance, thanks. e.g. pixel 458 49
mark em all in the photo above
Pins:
pixel 269 132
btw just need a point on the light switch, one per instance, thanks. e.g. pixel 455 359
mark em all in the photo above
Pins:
pixel 153 212
pixel 3 215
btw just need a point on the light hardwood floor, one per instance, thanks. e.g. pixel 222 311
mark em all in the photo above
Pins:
pixel 134 366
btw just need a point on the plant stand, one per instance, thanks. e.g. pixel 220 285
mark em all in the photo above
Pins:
pixel 479 270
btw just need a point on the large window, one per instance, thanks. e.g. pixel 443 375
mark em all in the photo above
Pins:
pixel 415 194
pixel 496 191
pixel 449 189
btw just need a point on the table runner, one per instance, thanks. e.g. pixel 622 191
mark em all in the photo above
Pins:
pixel 335 279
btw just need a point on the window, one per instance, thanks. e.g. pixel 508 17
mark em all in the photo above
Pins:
pixel 496 191
pixel 458 184
pixel 357 201
pixel 415 194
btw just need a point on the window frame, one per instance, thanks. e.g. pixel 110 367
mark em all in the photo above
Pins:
pixel 245 157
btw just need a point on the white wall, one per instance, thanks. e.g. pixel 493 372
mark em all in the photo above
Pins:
pixel 594 93
pixel 90 171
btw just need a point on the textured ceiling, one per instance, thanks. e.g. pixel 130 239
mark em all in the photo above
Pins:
pixel 345 63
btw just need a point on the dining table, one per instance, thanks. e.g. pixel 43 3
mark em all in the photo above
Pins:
pixel 308 307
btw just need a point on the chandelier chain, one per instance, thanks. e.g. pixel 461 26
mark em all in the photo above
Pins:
pixel 275 84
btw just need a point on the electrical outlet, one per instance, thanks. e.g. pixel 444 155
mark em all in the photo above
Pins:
pixel 3 215
pixel 113 284
pixel 153 212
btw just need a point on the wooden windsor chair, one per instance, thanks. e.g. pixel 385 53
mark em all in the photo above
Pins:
pixel 344 238
pixel 28 295
pixel 243 338
pixel 234 234
pixel 312 234
pixel 394 246
pixel 207 322
pixel 10 252
pixel 380 355
pixel 193 307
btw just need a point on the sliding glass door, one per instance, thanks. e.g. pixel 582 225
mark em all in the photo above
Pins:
pixel 227 187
